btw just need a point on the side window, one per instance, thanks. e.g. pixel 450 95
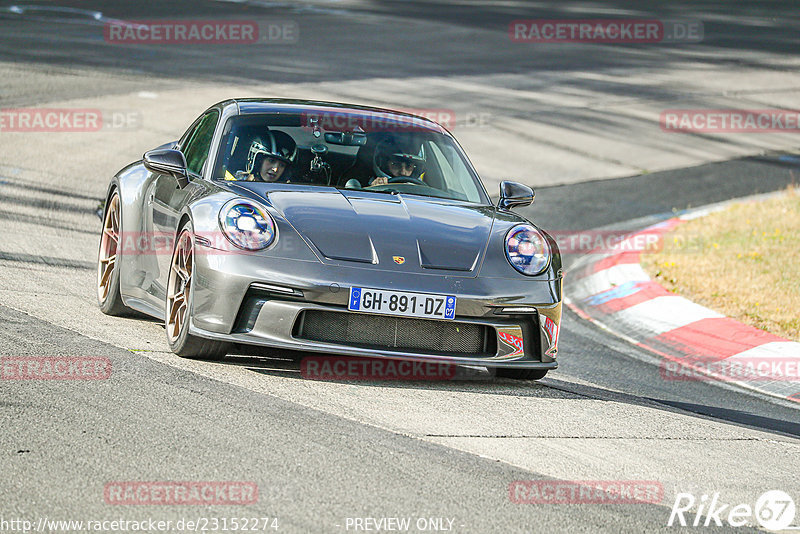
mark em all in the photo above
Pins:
pixel 198 142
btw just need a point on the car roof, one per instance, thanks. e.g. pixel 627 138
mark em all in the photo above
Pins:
pixel 247 106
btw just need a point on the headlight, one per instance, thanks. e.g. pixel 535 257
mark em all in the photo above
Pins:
pixel 247 225
pixel 527 249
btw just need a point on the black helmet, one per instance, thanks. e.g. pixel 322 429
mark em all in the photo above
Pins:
pixel 406 151
pixel 273 144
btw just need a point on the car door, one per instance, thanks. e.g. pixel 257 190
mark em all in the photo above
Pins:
pixel 166 199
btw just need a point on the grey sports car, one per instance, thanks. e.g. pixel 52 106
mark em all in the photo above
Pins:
pixel 332 228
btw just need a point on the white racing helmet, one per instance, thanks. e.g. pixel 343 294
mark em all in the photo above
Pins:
pixel 273 144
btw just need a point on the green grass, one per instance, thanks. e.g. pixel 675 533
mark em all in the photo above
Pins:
pixel 743 262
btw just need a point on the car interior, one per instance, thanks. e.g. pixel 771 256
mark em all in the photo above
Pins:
pixel 340 159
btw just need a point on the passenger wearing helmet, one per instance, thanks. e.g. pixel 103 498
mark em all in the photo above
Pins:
pixel 268 157
pixel 398 158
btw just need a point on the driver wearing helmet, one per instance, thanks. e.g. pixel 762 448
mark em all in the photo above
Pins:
pixel 268 157
pixel 397 159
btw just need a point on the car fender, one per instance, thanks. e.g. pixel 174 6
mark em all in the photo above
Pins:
pixel 132 183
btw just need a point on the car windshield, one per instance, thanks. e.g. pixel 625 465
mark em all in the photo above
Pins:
pixel 383 153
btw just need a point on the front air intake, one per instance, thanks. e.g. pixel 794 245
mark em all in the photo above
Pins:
pixel 448 338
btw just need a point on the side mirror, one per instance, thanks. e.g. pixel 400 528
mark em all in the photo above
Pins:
pixel 168 161
pixel 513 194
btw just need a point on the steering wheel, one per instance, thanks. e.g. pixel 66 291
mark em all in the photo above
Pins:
pixel 406 179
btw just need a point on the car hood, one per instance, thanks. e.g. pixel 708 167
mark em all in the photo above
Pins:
pixel 388 232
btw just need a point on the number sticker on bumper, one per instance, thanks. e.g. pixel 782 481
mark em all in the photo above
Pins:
pixel 402 303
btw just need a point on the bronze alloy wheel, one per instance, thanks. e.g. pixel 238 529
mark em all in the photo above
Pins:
pixel 109 244
pixel 179 304
pixel 108 258
pixel 180 286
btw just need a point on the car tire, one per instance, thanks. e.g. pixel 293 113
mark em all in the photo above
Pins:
pixel 178 305
pixel 108 295
pixel 521 374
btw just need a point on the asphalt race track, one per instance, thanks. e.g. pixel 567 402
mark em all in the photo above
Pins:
pixel 577 121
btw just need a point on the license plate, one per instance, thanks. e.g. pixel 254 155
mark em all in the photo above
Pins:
pixel 402 303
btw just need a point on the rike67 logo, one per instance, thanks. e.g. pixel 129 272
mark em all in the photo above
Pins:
pixel 774 510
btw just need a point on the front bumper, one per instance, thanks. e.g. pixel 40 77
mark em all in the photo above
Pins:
pixel 255 300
